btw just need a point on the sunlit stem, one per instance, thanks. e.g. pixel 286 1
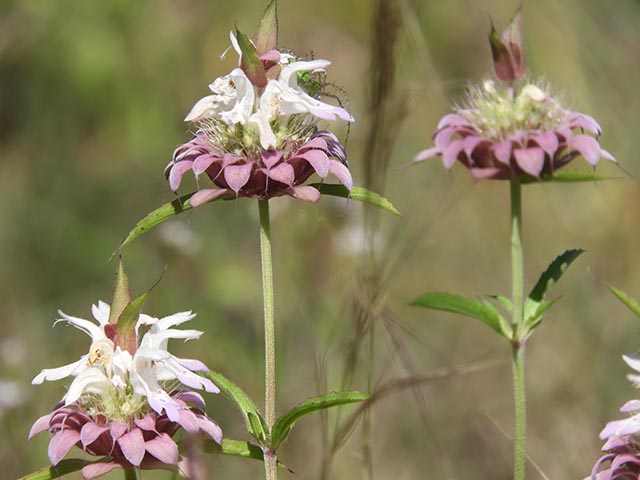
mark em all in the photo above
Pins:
pixel 270 462
pixel 518 342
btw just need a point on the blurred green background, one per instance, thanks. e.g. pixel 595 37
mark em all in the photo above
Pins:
pixel 92 96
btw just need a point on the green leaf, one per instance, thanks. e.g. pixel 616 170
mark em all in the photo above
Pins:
pixel 238 448
pixel 534 312
pixel 267 36
pixel 553 273
pixel 121 294
pixel 504 301
pixel 126 329
pixel 251 64
pixel 535 305
pixel 63 468
pixel 283 425
pixel 631 303
pixel 565 177
pixel 357 193
pixel 162 214
pixel 480 310
pixel 255 424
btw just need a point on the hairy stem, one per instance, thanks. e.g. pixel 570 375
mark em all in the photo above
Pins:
pixel 518 357
pixel 270 462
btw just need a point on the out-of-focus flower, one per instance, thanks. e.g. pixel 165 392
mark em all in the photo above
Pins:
pixel 622 447
pixel 257 134
pixel 515 128
pixel 497 135
pixel 125 405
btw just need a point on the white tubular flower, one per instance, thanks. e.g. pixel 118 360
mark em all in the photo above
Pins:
pixel 232 100
pixel 108 371
pixel 125 405
pixel 293 99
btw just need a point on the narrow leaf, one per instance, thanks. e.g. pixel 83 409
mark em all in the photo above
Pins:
pixel 553 273
pixel 357 193
pixel 162 214
pixel 238 448
pixel 631 303
pixel 121 294
pixel 566 177
pixel 267 37
pixel 483 311
pixel 283 425
pixel 534 312
pixel 254 422
pixel 126 329
pixel 64 467
pixel 504 301
pixel 251 64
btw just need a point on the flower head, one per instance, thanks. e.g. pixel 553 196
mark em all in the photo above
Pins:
pixel 257 133
pixel 622 437
pixel 515 128
pixel 125 405
pixel 499 137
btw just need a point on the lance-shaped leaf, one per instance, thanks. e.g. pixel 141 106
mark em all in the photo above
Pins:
pixel 283 425
pixel 255 424
pixel 126 329
pixel 631 303
pixel 505 302
pixel 121 294
pixel 532 306
pixel 250 63
pixel 267 36
pixel 238 448
pixel 480 310
pixel 357 193
pixel 162 214
pixel 64 467
pixel 566 177
pixel 507 50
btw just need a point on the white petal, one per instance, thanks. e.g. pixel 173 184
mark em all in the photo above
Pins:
pixel 261 123
pixel 173 320
pixel 92 380
pixel 205 107
pixel 52 374
pixel 287 73
pixel 101 312
pixel 90 328
pixel 632 361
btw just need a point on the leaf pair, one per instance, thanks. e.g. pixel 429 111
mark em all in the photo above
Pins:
pixel 181 205
pixel 534 306
pixel 257 426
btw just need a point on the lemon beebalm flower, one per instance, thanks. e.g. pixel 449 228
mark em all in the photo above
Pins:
pixel 258 137
pixel 126 405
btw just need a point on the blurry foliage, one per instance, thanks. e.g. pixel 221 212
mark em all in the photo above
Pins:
pixel 92 96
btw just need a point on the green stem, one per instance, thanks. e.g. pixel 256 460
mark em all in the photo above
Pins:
pixel 517 276
pixel 270 462
pixel 130 474
pixel 367 456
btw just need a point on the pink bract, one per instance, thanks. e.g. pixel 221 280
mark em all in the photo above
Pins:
pixel 533 152
pixel 272 174
pixel 146 443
